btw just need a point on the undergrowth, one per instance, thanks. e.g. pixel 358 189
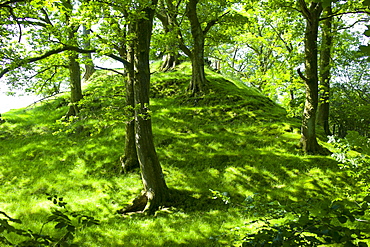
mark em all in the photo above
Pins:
pixel 218 150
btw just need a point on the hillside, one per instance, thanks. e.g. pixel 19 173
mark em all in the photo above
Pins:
pixel 230 155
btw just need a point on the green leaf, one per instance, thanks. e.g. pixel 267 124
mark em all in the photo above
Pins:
pixel 367 32
pixel 351 218
pixel 60 225
pixel 349 244
pixel 342 219
pixel 367 198
pixel 326 3
pixel 362 244
pixel 366 50
pixel 303 220
pixel 71 228
pixel 366 3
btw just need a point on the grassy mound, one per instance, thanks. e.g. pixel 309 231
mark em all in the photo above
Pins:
pixel 216 150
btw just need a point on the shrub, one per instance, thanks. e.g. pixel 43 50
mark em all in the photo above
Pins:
pixel 67 222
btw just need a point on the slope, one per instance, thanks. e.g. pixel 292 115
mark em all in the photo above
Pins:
pixel 218 150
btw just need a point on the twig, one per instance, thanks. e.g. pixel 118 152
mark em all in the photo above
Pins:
pixel 301 75
pixel 44 99
pixel 116 71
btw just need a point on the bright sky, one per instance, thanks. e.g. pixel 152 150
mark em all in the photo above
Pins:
pixel 14 102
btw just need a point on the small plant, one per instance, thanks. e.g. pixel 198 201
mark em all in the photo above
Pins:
pixel 357 164
pixel 224 196
pixel 309 229
pixel 69 221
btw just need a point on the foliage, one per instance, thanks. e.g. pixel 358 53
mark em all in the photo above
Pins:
pixel 305 225
pixel 310 229
pixel 66 222
pixel 356 164
pixel 231 140
pixel 101 108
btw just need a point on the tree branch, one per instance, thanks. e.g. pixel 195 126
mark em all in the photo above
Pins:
pixel 6 4
pixel 301 75
pixel 345 13
pixel 53 52
pixel 304 9
pixel 183 47
pixel 115 71
pixel 213 22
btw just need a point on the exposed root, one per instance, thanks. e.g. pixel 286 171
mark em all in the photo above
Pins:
pixel 137 206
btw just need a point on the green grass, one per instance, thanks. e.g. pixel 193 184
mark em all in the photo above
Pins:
pixel 232 139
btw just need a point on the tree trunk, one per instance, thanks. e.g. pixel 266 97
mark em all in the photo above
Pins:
pixel 308 130
pixel 73 66
pixel 198 79
pixel 167 16
pixel 323 111
pixel 89 65
pixel 169 62
pixel 130 160
pixel 155 188
pixel 75 84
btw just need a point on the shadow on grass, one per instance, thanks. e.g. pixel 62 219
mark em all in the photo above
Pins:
pixel 232 144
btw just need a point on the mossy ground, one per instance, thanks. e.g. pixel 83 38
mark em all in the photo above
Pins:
pixel 231 139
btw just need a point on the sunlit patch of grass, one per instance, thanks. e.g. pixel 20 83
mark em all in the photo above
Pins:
pixel 230 139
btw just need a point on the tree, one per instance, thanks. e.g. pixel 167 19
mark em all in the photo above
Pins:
pixel 41 23
pixel 89 64
pixel 168 17
pixel 73 64
pixel 325 64
pixel 200 25
pixel 264 54
pixel 155 188
pixel 311 13
pixel 349 104
pixel 130 37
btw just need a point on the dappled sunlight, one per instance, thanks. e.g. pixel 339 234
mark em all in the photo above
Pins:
pixel 239 146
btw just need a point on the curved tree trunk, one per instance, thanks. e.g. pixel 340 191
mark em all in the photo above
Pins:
pixel 198 77
pixel 308 129
pixel 155 192
pixel 323 111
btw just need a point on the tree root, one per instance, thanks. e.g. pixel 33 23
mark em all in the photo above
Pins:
pixel 138 205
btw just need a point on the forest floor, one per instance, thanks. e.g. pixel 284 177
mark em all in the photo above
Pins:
pixel 230 156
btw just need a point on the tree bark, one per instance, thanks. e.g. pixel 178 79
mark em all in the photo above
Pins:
pixel 198 79
pixel 130 160
pixel 89 65
pixel 325 55
pixel 168 20
pixel 73 66
pixel 169 62
pixel 155 188
pixel 308 129
pixel 75 84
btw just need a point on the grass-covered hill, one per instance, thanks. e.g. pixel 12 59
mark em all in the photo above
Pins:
pixel 230 154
